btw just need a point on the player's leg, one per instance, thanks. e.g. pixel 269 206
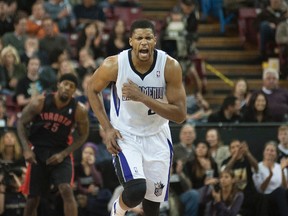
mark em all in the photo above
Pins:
pixel 35 184
pixel 70 205
pixel 128 167
pixel 151 208
pixel 31 206
pixel 61 176
pixel 157 164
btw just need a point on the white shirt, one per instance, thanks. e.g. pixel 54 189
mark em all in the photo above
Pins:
pixel 263 173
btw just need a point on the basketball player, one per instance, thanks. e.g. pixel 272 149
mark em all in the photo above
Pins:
pixel 147 93
pixel 52 118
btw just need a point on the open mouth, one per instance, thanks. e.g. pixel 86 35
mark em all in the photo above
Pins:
pixel 143 52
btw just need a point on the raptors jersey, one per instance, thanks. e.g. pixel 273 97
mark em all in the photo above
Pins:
pixel 135 117
pixel 52 127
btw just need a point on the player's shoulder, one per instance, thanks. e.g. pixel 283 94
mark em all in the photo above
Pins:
pixel 110 62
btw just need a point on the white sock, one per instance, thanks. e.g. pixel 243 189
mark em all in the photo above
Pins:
pixel 116 209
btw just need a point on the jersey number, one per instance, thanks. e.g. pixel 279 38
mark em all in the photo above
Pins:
pixel 52 126
pixel 151 112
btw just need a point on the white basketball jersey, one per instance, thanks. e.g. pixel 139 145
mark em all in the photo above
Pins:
pixel 135 117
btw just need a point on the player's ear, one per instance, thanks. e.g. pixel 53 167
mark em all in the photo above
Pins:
pixel 130 41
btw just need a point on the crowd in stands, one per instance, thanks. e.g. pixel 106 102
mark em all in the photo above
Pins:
pixel 41 40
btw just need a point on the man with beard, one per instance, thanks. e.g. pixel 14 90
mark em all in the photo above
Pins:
pixel 49 146
pixel 148 92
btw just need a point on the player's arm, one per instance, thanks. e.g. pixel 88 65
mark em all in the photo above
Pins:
pixel 28 113
pixel 101 78
pixel 105 74
pixel 82 127
pixel 175 110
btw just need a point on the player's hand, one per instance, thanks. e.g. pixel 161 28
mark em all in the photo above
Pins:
pixel 29 156
pixel 131 91
pixel 111 140
pixel 55 159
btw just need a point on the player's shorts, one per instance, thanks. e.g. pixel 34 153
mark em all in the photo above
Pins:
pixel 42 176
pixel 146 157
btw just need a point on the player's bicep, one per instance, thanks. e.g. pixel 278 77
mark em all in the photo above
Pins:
pixel 175 91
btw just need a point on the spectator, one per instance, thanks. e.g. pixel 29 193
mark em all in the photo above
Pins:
pixel 61 13
pixel 184 150
pixel 31 49
pixel 218 151
pixel 52 41
pixel 66 66
pixel 18 36
pixel 35 21
pixel 118 40
pixel 226 199
pixel 12 202
pixel 91 38
pixel 5 21
pixel 181 186
pixel 201 171
pixel 84 100
pixel 267 22
pixel 90 182
pixel 189 10
pixel 29 86
pixel 271 180
pixel 241 163
pixel 49 73
pixel 11 70
pixel 257 109
pixel 282 42
pixel 6 119
pixel 229 112
pixel 102 153
pixel 242 93
pixel 277 97
pixel 283 142
pixel 87 64
pixel 88 12
pixel 198 109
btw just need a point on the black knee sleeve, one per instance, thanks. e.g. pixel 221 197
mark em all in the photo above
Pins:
pixel 134 192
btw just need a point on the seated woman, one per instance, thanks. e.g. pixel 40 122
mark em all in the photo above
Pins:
pixel 202 170
pixel 257 109
pixel 12 202
pixel 271 178
pixel 224 198
pixel 89 181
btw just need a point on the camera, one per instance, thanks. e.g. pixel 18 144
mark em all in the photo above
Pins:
pixel 217 187
pixel 6 168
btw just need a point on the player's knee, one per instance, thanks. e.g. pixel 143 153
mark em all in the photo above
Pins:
pixel 134 192
pixel 66 191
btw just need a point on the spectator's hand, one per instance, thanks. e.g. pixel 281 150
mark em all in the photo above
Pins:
pixel 211 181
pixel 29 156
pixel 270 171
pixel 92 189
pixel 55 159
pixel 272 25
pixel 245 148
pixel 179 167
pixel 216 196
pixel 111 140
pixel 63 13
pixel 91 160
pixel 13 83
pixel 284 163
pixel 205 163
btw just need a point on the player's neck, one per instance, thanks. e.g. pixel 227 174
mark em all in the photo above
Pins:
pixel 60 104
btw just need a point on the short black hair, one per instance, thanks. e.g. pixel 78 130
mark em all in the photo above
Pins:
pixel 188 2
pixel 228 101
pixel 143 24
pixel 70 77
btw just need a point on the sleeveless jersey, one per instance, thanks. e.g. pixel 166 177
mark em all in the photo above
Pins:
pixel 135 117
pixel 52 127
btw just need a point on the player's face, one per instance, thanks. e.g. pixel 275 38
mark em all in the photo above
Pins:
pixel 66 89
pixel 143 42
